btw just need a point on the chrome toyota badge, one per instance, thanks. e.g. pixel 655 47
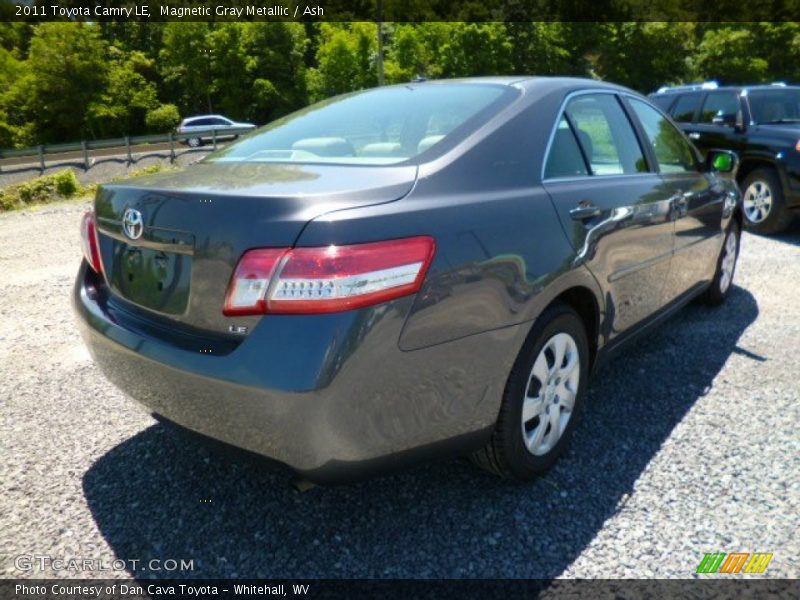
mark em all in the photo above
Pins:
pixel 132 223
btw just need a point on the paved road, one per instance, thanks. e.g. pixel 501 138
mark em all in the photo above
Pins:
pixel 689 445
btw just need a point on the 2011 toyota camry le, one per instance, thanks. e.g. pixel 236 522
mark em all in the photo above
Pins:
pixel 408 272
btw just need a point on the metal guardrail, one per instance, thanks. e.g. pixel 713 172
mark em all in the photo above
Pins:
pixel 127 142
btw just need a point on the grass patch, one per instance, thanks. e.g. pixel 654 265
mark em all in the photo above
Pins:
pixel 63 185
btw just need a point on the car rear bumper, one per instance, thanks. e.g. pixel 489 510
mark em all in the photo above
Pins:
pixel 331 396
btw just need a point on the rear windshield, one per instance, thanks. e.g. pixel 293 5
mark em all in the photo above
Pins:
pixel 380 126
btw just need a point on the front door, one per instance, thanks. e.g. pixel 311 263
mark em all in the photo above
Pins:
pixel 698 204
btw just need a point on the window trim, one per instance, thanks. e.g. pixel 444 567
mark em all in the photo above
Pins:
pixel 562 113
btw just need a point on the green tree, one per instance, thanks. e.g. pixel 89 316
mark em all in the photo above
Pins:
pixel 65 73
pixel 276 67
pixel 185 61
pixel 128 95
pixel 162 119
pixel 645 55
pixel 345 59
pixel 728 54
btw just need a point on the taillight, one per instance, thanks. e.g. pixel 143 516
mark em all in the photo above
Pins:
pixel 91 246
pixel 328 279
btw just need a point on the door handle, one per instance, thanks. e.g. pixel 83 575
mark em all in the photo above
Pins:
pixel 585 211
pixel 694 135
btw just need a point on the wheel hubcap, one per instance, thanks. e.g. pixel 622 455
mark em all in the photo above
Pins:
pixel 728 262
pixel 550 395
pixel 757 201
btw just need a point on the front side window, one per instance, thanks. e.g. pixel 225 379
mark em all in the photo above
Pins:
pixel 672 151
pixel 606 135
pixel 380 126
pixel 685 107
pixel 718 104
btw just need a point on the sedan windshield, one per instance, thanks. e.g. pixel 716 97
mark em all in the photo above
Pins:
pixel 775 106
pixel 380 126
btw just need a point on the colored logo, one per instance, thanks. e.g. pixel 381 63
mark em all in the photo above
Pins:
pixel 735 562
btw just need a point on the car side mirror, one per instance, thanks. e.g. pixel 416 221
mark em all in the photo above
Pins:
pixel 721 161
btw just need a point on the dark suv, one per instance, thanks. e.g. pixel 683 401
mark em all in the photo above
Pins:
pixel 761 123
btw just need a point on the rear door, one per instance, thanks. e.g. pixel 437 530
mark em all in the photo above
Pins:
pixel 697 207
pixel 707 134
pixel 612 206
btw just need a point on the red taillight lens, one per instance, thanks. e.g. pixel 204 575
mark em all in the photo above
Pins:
pixel 89 241
pixel 329 279
pixel 248 287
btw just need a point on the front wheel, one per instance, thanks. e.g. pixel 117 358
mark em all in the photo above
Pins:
pixel 764 207
pixel 726 267
pixel 542 400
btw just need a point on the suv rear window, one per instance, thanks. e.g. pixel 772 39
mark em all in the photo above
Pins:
pixel 684 109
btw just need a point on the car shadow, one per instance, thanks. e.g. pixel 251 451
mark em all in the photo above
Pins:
pixel 790 236
pixel 160 495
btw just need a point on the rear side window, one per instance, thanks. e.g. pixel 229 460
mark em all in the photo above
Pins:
pixel 565 159
pixel 606 135
pixel 686 106
pixel 718 104
pixel 673 152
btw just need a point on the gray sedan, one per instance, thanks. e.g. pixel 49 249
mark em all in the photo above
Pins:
pixel 407 272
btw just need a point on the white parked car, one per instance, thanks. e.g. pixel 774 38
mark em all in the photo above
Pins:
pixel 197 130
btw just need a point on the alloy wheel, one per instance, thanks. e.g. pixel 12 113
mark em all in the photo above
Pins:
pixel 757 201
pixel 550 394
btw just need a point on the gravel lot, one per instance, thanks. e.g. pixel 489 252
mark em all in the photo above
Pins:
pixel 689 444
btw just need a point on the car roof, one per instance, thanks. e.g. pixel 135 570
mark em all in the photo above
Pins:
pixel 530 82
pixel 206 117
pixel 722 88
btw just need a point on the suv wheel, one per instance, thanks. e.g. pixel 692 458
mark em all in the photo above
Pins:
pixel 542 400
pixel 764 207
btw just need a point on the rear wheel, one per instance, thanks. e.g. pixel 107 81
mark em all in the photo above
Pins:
pixel 542 400
pixel 726 267
pixel 194 142
pixel 764 207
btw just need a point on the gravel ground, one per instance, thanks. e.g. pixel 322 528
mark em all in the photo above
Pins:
pixel 688 445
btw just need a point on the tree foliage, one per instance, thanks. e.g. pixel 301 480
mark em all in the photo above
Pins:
pixel 69 81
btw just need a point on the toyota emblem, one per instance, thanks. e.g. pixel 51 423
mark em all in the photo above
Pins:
pixel 132 223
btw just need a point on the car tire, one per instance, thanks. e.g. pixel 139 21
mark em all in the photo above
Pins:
pixel 526 417
pixel 194 142
pixel 765 210
pixel 722 283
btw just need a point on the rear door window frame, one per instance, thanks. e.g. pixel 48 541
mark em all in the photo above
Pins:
pixel 652 164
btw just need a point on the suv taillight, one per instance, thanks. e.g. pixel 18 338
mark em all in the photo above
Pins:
pixel 327 279
pixel 89 242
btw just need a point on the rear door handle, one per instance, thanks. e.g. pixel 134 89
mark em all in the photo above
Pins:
pixel 694 135
pixel 584 212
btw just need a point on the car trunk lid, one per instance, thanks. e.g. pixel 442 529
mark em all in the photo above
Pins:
pixel 170 242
